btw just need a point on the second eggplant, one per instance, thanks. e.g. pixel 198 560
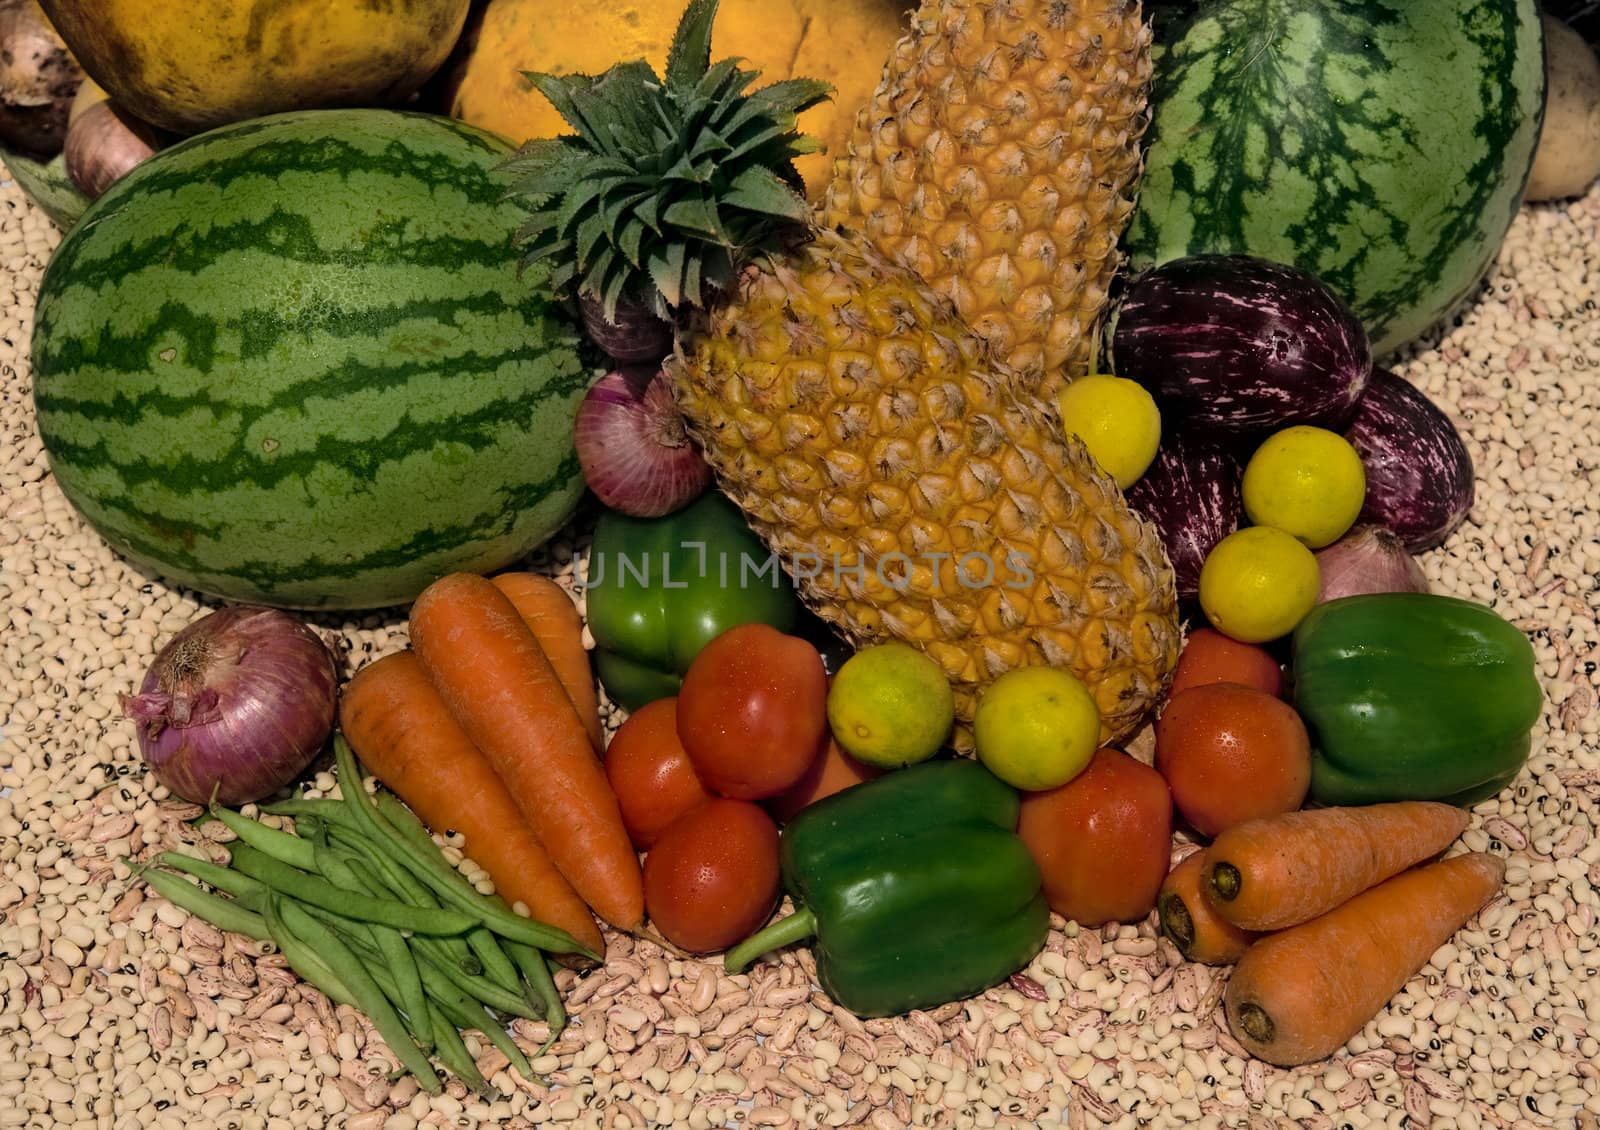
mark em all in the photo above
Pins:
pixel 1240 345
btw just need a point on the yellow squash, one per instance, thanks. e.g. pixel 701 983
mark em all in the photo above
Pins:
pixel 188 67
pixel 841 41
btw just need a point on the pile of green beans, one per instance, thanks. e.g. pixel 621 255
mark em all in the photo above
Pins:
pixel 364 907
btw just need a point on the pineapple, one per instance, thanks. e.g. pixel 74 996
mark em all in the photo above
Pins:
pixel 902 476
pixel 998 159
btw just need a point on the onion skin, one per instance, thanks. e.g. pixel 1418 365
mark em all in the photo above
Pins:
pixel 1191 494
pixel 636 454
pixel 38 80
pixel 1419 473
pixel 634 335
pixel 104 144
pixel 1368 559
pixel 239 703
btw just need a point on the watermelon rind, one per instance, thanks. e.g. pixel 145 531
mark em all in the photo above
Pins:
pixel 1384 147
pixel 291 362
pixel 47 184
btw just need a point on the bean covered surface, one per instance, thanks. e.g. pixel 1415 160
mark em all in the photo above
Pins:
pixel 120 1010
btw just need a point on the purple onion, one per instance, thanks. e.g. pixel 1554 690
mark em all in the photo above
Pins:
pixel 634 448
pixel 104 144
pixel 1419 474
pixel 239 703
pixel 1191 494
pixel 1368 559
pixel 634 334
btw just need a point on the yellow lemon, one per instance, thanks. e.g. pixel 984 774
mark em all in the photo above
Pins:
pixel 1306 481
pixel 1036 727
pixel 1257 584
pixel 1117 420
pixel 890 706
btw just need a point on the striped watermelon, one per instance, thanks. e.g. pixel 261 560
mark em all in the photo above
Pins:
pixel 290 361
pixel 1383 146
pixel 48 186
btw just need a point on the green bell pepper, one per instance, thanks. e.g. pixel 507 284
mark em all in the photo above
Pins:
pixel 660 589
pixel 916 887
pixel 1413 696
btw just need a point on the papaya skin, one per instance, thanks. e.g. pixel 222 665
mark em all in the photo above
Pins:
pixel 844 42
pixel 190 67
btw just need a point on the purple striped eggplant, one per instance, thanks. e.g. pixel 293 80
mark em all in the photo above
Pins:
pixel 1419 474
pixel 1240 344
pixel 1191 494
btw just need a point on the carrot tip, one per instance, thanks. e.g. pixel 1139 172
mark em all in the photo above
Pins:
pixel 1256 1024
pixel 1223 881
pixel 1176 922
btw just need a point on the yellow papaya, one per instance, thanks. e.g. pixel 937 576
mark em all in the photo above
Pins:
pixel 844 42
pixel 189 67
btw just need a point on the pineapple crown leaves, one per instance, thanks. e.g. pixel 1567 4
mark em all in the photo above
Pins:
pixel 667 185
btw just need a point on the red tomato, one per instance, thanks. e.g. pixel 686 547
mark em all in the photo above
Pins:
pixel 650 772
pixel 1102 840
pixel 753 711
pixel 712 877
pixel 1232 753
pixel 833 772
pixel 1210 657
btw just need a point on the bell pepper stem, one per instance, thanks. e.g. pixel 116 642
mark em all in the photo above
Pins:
pixel 799 926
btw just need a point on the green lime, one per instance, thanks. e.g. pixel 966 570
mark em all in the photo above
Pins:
pixel 1036 727
pixel 1258 583
pixel 891 706
pixel 1306 481
pixel 1116 419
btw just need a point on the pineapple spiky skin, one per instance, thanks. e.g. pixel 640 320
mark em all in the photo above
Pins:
pixel 915 486
pixel 914 490
pixel 998 158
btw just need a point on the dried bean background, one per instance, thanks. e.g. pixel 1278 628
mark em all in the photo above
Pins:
pixel 117 1012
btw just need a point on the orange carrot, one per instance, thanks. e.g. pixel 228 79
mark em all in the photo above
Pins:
pixel 1188 920
pixel 487 666
pixel 1279 871
pixel 1299 995
pixel 547 609
pixel 398 726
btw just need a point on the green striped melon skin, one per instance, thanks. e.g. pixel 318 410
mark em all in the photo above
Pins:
pixel 290 361
pixel 1382 146
pixel 48 186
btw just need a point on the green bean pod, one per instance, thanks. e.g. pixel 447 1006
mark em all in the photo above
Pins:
pixel 322 808
pixel 453 1053
pixel 382 874
pixel 467 1013
pixel 396 953
pixel 432 869
pixel 282 846
pixel 303 959
pixel 250 893
pixel 496 966
pixel 224 914
pixel 535 968
pixel 316 891
pixel 370 999
pixel 492 955
pixel 479 988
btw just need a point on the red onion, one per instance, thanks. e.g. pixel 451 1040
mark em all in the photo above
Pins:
pixel 104 144
pixel 634 334
pixel 240 701
pixel 1368 559
pixel 634 449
